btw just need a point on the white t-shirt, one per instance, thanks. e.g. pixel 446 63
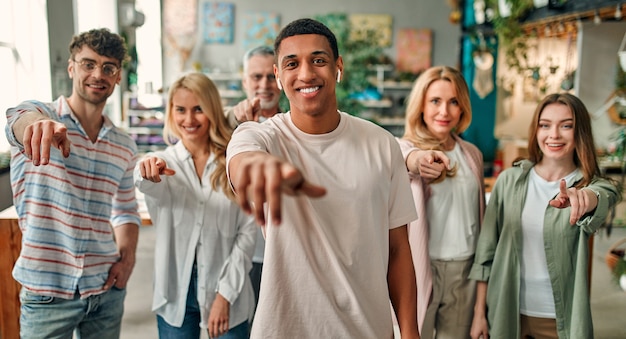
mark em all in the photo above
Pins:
pixel 453 213
pixel 325 266
pixel 536 297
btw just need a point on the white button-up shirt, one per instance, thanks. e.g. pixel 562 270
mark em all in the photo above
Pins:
pixel 194 222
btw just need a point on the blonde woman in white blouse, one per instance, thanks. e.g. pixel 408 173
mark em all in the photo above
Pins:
pixel 204 242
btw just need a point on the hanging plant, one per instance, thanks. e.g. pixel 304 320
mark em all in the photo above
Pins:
pixel 511 36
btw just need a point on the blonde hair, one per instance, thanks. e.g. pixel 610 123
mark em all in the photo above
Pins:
pixel 219 131
pixel 416 131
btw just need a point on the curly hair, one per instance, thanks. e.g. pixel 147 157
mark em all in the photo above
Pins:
pixel 103 42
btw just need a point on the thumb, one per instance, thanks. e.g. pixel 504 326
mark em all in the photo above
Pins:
pixel 110 281
pixel 64 147
pixel 167 171
pixel 441 157
pixel 313 191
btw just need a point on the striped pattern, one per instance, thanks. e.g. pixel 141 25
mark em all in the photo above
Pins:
pixel 68 208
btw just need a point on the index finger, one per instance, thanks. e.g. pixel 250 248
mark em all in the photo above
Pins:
pixel 563 187
pixel 253 112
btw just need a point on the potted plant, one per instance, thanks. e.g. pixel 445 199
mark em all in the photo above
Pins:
pixel 357 55
pixel 509 30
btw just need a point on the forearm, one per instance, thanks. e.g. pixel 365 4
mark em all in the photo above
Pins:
pixel 402 285
pixel 412 161
pixel 480 307
pixel 126 238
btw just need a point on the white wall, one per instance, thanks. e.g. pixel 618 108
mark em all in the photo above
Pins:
pixel 431 14
pixel 598 62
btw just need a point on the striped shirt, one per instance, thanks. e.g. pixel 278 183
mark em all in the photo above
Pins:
pixel 68 208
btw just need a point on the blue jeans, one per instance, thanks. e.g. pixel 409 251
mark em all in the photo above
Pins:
pixel 98 316
pixel 190 329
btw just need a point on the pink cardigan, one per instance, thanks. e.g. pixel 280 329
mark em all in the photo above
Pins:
pixel 418 229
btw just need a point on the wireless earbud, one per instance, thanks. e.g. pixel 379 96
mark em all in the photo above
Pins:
pixel 338 76
pixel 280 86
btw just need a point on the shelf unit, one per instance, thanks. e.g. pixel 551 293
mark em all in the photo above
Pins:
pixel 389 111
pixel 229 86
pixel 144 124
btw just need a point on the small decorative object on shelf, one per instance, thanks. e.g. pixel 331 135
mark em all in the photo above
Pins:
pixel 616 262
pixel 143 120
pixel 557 4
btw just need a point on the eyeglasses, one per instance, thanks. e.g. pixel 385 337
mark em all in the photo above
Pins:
pixel 259 77
pixel 89 66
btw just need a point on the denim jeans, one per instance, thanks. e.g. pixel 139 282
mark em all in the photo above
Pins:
pixel 190 329
pixel 98 316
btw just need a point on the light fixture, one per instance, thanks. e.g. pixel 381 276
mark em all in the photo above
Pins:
pixel 596 18
pixel 618 12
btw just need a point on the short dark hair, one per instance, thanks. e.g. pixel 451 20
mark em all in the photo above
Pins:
pixel 103 42
pixel 307 26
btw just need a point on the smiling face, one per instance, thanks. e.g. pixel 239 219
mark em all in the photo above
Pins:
pixel 307 71
pixel 259 81
pixel 190 121
pixel 441 111
pixel 92 87
pixel 555 133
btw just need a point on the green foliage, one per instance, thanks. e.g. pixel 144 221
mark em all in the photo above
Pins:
pixel 357 54
pixel 510 34
pixel 619 269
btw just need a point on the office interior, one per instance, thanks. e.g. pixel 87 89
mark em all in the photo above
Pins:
pixel 578 46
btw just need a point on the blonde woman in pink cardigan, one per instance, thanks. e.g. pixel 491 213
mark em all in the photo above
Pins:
pixel 446 176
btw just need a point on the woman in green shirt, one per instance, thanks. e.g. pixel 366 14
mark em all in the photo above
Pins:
pixel 532 256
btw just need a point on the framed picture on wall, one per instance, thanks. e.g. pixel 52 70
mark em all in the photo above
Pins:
pixel 260 29
pixel 363 24
pixel 218 19
pixel 414 48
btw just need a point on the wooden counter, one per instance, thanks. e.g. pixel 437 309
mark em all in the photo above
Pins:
pixel 10 246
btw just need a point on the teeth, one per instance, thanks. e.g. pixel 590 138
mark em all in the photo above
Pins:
pixel 309 90
pixel 555 145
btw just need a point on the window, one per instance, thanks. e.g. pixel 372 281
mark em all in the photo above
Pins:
pixel 24 59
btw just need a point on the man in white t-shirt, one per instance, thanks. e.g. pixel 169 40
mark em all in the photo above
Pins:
pixel 336 253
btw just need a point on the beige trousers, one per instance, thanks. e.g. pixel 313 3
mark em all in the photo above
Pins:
pixel 451 309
